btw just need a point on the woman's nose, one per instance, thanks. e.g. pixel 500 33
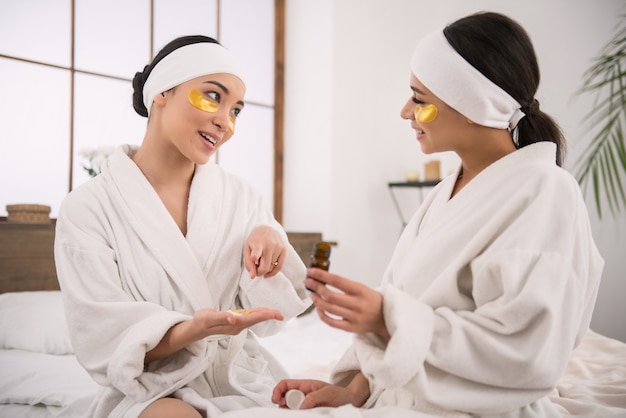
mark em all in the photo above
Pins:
pixel 407 110
pixel 221 119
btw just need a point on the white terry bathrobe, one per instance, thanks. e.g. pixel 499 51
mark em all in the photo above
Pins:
pixel 486 294
pixel 128 274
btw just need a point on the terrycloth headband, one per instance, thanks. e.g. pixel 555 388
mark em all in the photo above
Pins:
pixel 461 86
pixel 186 63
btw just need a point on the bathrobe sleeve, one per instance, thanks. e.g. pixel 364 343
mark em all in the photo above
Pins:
pixel 486 294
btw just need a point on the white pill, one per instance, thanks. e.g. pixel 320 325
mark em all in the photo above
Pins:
pixel 294 398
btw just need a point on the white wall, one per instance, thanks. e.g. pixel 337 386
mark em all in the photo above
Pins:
pixel 346 80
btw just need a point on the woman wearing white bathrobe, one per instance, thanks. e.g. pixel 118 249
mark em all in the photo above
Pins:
pixel 493 281
pixel 168 265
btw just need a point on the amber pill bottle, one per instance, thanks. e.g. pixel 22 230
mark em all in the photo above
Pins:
pixel 320 257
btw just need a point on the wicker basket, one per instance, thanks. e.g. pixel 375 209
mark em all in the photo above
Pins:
pixel 28 213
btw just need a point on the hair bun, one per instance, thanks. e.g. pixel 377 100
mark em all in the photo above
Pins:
pixel 138 83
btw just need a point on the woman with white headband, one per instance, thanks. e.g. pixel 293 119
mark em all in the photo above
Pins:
pixel 166 261
pixel 493 282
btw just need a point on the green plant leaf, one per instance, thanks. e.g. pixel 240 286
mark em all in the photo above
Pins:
pixel 602 165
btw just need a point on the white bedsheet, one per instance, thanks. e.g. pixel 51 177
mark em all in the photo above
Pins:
pixel 594 383
pixel 45 385
pixel 307 347
pixel 39 384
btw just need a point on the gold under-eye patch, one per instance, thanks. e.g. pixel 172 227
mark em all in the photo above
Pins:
pixel 198 101
pixel 231 124
pixel 426 114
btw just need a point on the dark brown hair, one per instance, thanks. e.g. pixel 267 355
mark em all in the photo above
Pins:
pixel 502 51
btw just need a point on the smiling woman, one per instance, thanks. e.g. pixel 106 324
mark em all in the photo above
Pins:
pixel 88 75
pixel 170 247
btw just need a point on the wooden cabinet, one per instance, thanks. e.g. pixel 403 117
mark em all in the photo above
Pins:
pixel 27 257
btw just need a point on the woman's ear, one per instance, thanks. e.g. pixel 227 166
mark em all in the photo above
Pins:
pixel 160 99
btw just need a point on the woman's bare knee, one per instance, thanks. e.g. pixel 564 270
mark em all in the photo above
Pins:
pixel 170 408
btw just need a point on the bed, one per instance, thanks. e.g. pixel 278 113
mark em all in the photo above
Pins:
pixel 40 376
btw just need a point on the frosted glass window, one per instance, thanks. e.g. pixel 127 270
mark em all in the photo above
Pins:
pixel 113 36
pixel 104 116
pixel 34 134
pixel 250 152
pixel 38 30
pixel 184 17
pixel 112 41
pixel 247 29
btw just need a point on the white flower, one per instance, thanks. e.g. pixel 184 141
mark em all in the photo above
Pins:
pixel 95 157
pixel 97 160
pixel 87 153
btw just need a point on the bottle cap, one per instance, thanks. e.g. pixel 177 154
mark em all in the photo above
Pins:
pixel 294 398
pixel 322 248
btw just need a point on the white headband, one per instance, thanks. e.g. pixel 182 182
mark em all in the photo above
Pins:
pixel 461 86
pixel 187 63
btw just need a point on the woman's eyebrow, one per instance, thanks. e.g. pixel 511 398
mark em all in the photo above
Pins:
pixel 225 89
pixel 220 85
pixel 416 90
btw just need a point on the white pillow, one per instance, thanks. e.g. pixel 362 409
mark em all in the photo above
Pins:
pixel 34 321
pixel 35 378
